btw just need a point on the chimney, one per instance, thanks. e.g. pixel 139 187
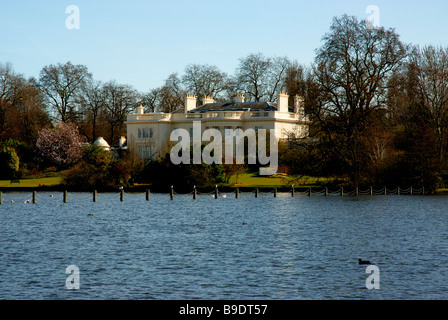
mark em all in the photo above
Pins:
pixel 190 102
pixel 299 107
pixel 239 98
pixel 208 100
pixel 282 103
pixel 140 110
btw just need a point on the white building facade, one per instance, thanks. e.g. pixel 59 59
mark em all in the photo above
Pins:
pixel 150 133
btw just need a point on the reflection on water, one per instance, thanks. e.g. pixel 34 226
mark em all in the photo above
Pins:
pixel 226 248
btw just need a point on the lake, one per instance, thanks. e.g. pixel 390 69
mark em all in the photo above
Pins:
pixel 223 249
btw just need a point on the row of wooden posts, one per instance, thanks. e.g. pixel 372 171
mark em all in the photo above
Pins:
pixel 356 192
pixel 309 192
pixel 216 193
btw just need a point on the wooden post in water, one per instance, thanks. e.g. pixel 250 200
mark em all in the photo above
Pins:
pixel 342 191
pixel 1 197
pixel 216 192
pixel 385 190
pixel 292 190
pixel 256 192
pixel 371 190
pixel 195 193
pixel 398 190
pixel 309 192
pixel 326 191
pixel 94 195
pixel 237 193
pixel 34 197
pixel 357 191
pixel 148 194
pixel 275 192
pixel 122 195
pixel 423 190
pixel 65 196
pixel 171 193
pixel 410 191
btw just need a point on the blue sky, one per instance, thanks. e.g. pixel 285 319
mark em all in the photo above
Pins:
pixel 141 42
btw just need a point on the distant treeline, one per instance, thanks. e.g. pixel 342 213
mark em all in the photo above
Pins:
pixel 379 107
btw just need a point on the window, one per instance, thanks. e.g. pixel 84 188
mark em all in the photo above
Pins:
pixel 145 152
pixel 145 133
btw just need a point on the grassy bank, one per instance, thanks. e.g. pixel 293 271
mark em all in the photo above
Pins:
pixel 255 181
pixel 246 180
pixel 31 183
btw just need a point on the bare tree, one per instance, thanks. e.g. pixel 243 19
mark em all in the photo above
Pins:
pixel 150 100
pixel 295 79
pixel 31 111
pixel 204 80
pixel 352 69
pixel 172 93
pixel 432 81
pixel 166 98
pixel 119 100
pixel 278 71
pixel 7 76
pixel 22 110
pixel 260 78
pixel 252 76
pixel 8 94
pixel 91 103
pixel 60 83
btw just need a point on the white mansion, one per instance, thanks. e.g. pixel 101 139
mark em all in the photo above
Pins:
pixel 150 132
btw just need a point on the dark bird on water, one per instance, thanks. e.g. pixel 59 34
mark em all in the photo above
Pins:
pixel 364 261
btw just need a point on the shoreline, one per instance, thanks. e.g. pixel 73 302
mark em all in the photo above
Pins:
pixel 144 188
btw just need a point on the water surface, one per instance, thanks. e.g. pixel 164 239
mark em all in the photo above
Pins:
pixel 247 248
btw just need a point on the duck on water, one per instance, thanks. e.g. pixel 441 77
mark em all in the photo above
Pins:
pixel 360 261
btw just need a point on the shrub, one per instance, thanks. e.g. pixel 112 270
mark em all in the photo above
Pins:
pixel 91 172
pixel 9 163
pixel 121 172
pixel 162 174
pixel 50 169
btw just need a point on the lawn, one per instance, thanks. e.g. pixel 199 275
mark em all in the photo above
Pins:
pixel 48 181
pixel 254 180
pixel 244 180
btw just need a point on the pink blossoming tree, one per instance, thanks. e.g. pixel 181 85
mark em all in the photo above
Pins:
pixel 61 146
